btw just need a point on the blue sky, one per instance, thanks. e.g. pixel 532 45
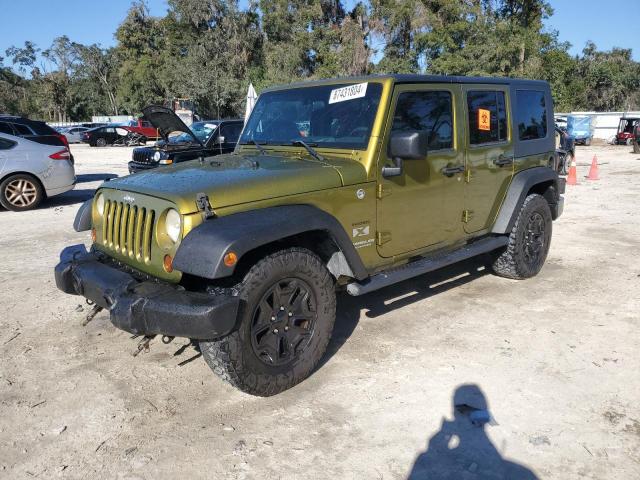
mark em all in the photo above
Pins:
pixel 84 21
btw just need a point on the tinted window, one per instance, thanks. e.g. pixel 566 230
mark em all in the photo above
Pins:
pixel 531 115
pixel 231 132
pixel 22 129
pixel 6 144
pixel 146 124
pixel 426 111
pixel 487 117
pixel 6 128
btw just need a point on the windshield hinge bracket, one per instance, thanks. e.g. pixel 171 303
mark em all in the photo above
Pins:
pixel 202 202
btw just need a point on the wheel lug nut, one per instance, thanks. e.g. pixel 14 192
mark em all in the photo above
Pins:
pixel 281 308
pixel 273 319
pixel 286 328
pixel 291 314
pixel 275 330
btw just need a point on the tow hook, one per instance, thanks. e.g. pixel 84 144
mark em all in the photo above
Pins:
pixel 143 345
pixel 92 314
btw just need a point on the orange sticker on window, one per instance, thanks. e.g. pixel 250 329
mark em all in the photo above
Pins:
pixel 484 119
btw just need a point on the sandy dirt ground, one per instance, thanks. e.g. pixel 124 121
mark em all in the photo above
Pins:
pixel 556 358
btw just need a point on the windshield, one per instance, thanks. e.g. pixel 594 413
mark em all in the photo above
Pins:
pixel 202 131
pixel 335 116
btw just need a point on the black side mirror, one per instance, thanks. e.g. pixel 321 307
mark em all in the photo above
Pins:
pixel 411 145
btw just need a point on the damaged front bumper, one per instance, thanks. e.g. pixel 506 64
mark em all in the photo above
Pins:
pixel 145 307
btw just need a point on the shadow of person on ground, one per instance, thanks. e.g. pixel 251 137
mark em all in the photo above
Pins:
pixel 462 449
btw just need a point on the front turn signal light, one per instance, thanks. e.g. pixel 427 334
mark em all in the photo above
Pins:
pixel 230 259
pixel 168 263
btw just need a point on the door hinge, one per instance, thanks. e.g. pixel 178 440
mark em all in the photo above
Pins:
pixel 467 215
pixel 383 237
pixel 382 191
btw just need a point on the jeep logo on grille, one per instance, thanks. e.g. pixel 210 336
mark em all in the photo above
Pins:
pixel 128 198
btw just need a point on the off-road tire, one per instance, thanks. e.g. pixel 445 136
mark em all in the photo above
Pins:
pixel 32 195
pixel 636 147
pixel 514 262
pixel 234 359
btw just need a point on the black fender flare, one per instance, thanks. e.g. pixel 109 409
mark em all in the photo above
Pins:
pixel 202 251
pixel 82 222
pixel 521 184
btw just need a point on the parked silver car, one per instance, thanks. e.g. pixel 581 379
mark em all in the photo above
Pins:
pixel 74 134
pixel 30 172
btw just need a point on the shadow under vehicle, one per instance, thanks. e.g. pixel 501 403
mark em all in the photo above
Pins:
pixel 180 143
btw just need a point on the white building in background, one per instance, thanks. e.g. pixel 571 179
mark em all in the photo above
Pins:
pixel 605 124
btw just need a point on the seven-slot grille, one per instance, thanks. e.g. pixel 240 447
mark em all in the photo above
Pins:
pixel 143 155
pixel 127 229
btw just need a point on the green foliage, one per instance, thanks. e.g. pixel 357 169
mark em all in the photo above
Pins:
pixel 210 50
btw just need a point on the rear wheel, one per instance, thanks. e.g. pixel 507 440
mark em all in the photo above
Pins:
pixel 285 323
pixel 529 241
pixel 20 192
pixel 636 147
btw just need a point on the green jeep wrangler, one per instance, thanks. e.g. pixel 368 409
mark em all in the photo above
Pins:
pixel 351 184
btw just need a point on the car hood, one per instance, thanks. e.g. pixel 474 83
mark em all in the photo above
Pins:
pixel 166 121
pixel 234 179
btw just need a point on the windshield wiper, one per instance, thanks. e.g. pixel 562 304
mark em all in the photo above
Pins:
pixel 309 149
pixel 263 151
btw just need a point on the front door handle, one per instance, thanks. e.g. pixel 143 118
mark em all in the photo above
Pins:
pixel 503 160
pixel 451 171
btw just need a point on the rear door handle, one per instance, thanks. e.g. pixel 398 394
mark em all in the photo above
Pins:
pixel 503 160
pixel 451 171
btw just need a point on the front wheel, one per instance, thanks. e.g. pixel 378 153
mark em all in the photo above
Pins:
pixel 286 319
pixel 101 142
pixel 587 142
pixel 529 241
pixel 636 147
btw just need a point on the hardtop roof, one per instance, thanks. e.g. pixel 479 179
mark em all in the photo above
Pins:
pixel 415 78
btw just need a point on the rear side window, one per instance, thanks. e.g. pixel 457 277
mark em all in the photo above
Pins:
pixel 6 144
pixel 6 128
pixel 487 117
pixel 426 111
pixel 531 115
pixel 22 129
pixel 40 128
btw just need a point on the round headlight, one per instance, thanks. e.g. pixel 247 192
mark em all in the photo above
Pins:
pixel 157 156
pixel 173 224
pixel 99 200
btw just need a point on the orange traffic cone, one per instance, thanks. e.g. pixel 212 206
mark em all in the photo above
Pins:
pixel 572 178
pixel 593 171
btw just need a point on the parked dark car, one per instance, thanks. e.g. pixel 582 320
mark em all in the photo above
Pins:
pixel 33 130
pixel 180 143
pixel 108 135
pixel 565 150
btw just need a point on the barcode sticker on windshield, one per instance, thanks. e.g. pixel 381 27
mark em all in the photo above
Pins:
pixel 348 93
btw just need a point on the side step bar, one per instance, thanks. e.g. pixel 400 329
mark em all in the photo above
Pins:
pixel 425 265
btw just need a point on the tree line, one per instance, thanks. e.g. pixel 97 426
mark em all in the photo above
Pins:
pixel 209 51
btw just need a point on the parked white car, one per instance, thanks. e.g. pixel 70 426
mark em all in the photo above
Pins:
pixel 74 134
pixel 31 172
